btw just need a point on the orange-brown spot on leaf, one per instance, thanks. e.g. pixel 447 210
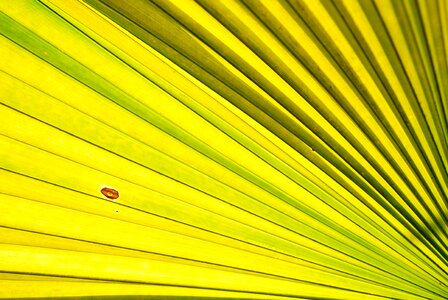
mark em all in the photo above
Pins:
pixel 110 193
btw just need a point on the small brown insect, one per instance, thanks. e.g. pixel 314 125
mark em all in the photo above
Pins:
pixel 110 193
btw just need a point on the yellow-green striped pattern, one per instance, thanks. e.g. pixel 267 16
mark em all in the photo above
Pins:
pixel 262 149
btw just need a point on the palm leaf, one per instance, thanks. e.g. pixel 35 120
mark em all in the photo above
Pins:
pixel 258 149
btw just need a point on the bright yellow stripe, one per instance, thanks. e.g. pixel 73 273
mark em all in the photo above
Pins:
pixel 62 288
